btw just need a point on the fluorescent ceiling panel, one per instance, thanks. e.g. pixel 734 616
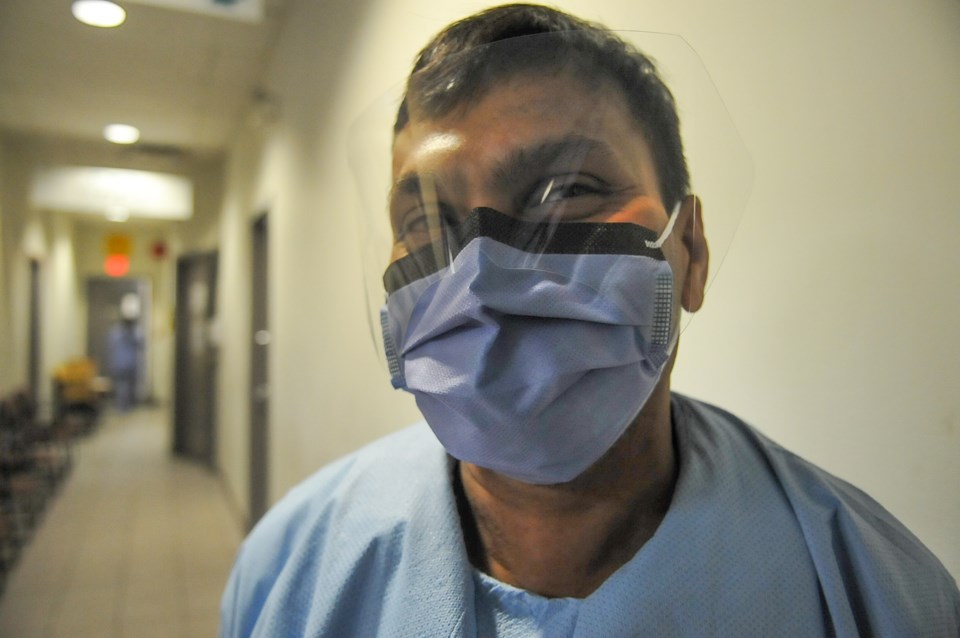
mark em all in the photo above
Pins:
pixel 98 190
pixel 243 10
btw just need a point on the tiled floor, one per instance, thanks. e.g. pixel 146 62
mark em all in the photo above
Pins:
pixel 136 544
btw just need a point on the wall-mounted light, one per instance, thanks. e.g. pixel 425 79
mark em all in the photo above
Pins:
pixel 97 189
pixel 98 13
pixel 121 133
pixel 117 214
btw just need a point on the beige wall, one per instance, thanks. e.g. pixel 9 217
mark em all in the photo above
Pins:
pixel 832 325
pixel 48 239
pixel 60 338
pixel 13 365
pixel 240 204
pixel 6 336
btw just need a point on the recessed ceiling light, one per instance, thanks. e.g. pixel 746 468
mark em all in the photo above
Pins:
pixel 121 133
pixel 98 13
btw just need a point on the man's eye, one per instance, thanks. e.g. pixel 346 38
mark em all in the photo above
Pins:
pixel 566 197
pixel 412 224
pixel 415 230
pixel 557 191
pixel 425 224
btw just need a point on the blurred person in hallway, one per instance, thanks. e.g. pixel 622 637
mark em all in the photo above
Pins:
pixel 124 345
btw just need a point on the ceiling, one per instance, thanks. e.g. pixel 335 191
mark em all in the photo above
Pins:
pixel 186 78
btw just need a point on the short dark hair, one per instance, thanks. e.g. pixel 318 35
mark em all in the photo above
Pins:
pixel 455 68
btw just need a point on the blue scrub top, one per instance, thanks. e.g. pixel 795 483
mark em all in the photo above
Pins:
pixel 756 542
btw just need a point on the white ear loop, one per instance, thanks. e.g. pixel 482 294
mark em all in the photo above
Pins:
pixel 669 229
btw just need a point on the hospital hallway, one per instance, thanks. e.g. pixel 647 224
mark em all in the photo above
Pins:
pixel 137 542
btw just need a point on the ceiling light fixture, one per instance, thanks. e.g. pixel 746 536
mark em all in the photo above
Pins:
pixel 98 13
pixel 121 133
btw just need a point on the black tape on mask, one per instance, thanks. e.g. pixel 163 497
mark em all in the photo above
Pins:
pixel 564 238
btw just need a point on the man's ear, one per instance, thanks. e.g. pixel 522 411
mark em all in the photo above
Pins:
pixel 690 223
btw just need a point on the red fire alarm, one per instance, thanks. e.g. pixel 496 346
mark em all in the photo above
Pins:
pixel 158 249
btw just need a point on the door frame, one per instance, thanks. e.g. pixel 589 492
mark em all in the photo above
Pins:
pixel 259 391
pixel 195 391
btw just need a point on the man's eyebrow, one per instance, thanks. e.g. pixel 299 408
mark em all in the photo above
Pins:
pixel 409 184
pixel 519 164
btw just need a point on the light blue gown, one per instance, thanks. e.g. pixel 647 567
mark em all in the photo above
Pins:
pixel 757 542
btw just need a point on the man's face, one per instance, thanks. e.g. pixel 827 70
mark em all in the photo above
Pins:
pixel 546 147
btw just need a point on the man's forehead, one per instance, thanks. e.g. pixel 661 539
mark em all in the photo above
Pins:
pixel 527 109
pixel 407 146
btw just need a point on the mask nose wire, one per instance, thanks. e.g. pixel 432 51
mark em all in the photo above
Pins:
pixel 666 231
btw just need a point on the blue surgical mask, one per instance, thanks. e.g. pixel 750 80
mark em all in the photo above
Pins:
pixel 535 348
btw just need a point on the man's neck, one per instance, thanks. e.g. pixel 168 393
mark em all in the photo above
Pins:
pixel 566 540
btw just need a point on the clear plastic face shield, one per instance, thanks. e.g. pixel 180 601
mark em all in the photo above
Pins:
pixel 533 238
pixel 528 144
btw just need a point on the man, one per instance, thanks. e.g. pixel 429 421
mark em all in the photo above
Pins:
pixel 124 345
pixel 545 241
